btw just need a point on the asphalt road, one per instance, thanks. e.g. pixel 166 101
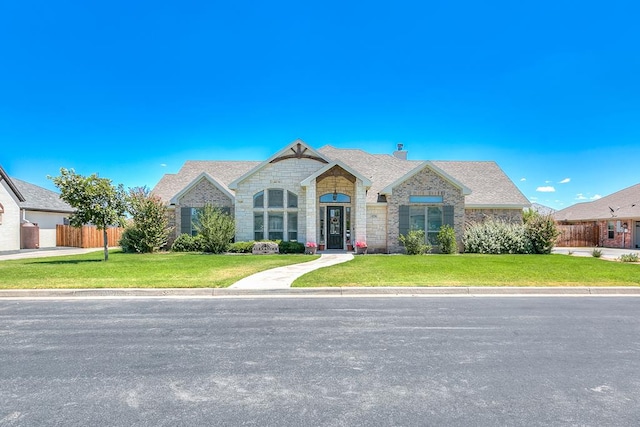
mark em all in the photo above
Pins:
pixel 445 361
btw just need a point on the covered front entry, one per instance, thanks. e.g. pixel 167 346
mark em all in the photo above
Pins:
pixel 335 231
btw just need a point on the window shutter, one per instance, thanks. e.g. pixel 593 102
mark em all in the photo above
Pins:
pixel 447 215
pixel 403 220
pixel 185 220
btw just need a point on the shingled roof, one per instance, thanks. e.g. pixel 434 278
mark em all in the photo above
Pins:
pixel 622 204
pixel 490 186
pixel 40 199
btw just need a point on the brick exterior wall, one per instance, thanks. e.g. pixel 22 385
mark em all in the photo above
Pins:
pixel 425 182
pixel 201 194
pixel 620 239
pixel 513 216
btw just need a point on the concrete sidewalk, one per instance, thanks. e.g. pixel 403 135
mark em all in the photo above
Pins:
pixel 607 253
pixel 283 277
pixel 45 252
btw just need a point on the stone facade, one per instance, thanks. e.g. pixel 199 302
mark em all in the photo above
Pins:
pixel 425 182
pixel 286 175
pixel 513 216
pixel 377 228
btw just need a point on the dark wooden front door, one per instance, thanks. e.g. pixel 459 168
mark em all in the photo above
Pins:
pixel 334 225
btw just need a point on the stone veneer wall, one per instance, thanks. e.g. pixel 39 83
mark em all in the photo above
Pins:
pixel 480 215
pixel 286 175
pixel 377 228
pixel 425 182
pixel 203 193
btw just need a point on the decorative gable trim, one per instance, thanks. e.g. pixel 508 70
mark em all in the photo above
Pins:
pixel 389 188
pixel 175 199
pixel 296 150
pixel 307 181
pixel 298 153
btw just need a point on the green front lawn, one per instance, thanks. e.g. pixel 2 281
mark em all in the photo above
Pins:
pixel 163 270
pixel 474 270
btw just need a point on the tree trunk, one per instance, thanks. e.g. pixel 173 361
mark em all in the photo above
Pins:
pixel 106 244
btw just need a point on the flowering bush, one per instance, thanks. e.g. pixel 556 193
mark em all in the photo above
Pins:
pixel 361 244
pixel 311 245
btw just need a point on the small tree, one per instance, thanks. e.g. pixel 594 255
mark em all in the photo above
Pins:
pixel 216 229
pixel 542 232
pixel 414 242
pixel 447 240
pixel 95 199
pixel 150 227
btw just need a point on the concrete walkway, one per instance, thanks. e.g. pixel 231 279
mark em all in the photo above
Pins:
pixel 45 252
pixel 283 277
pixel 607 253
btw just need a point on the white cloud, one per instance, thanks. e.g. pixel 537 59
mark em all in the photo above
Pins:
pixel 564 181
pixel 595 197
pixel 580 196
pixel 547 189
pixel 523 179
pixel 548 182
pixel 164 165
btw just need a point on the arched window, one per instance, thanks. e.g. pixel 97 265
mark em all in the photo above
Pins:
pixel 275 218
pixel 335 198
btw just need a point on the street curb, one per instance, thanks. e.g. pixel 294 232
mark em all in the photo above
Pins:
pixel 302 292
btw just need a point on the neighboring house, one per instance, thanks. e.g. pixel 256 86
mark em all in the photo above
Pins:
pixel 23 202
pixel 615 218
pixel 336 197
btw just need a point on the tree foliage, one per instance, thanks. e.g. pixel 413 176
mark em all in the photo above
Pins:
pixel 149 228
pixel 216 229
pixel 95 199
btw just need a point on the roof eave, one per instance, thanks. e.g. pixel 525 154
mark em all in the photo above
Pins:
pixel 12 186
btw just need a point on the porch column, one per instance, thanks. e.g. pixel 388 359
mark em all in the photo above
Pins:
pixel 310 213
pixel 361 212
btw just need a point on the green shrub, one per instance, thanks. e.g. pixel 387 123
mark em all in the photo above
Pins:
pixel 241 247
pixel 596 253
pixel 291 247
pixel 496 237
pixel 149 228
pixel 215 228
pixel 447 240
pixel 629 257
pixel 542 232
pixel 131 240
pixel 414 242
pixel 187 243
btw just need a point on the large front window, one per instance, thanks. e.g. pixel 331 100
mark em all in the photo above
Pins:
pixel 427 219
pixel 275 215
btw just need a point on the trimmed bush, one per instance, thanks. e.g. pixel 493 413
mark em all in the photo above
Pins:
pixel 629 257
pixel 596 253
pixel 187 243
pixel 215 228
pixel 149 228
pixel 241 247
pixel 290 247
pixel 414 243
pixel 542 233
pixel 447 240
pixel 496 237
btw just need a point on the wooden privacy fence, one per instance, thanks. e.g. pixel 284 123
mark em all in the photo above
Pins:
pixel 578 235
pixel 87 236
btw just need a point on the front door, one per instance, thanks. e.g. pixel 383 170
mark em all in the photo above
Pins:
pixel 637 234
pixel 334 223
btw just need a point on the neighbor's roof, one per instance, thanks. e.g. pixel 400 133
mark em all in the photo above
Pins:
pixel 489 185
pixel 222 171
pixel 622 204
pixel 40 199
pixel 11 184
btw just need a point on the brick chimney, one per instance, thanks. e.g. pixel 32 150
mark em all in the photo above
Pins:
pixel 399 153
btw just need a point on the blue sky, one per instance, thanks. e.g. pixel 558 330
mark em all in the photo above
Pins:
pixel 548 89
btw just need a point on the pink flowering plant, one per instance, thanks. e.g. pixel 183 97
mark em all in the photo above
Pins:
pixel 311 245
pixel 361 244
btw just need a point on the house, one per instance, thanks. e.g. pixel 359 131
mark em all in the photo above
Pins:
pixel 615 218
pixel 336 197
pixel 23 204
